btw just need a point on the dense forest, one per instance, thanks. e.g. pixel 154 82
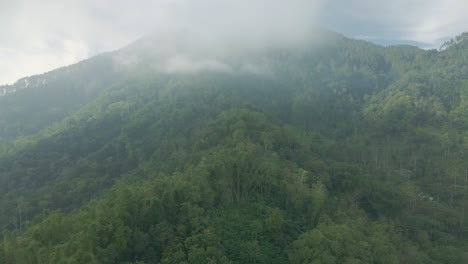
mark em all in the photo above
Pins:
pixel 329 151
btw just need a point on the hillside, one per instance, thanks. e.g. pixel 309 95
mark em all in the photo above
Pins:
pixel 333 150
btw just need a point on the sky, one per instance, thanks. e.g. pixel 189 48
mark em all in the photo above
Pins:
pixel 40 35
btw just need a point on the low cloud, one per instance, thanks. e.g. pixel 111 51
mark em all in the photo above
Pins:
pixel 37 36
pixel 182 64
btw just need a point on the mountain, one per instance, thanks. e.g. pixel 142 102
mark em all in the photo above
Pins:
pixel 177 149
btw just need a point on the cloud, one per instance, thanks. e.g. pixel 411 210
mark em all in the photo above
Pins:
pixel 38 58
pixel 41 35
pixel 424 21
pixel 182 64
pixel 440 20
pixel 37 36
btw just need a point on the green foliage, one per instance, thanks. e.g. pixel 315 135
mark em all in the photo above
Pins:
pixel 343 153
pixel 343 243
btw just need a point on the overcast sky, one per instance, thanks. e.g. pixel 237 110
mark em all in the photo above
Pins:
pixel 40 35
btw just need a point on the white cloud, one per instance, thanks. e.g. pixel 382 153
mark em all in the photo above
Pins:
pixel 50 33
pixel 426 21
pixel 439 19
pixel 182 64
pixel 39 35
pixel 18 63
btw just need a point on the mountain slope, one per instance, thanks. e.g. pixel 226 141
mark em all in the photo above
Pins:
pixel 331 151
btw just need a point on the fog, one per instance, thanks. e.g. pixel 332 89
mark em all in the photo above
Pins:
pixel 37 36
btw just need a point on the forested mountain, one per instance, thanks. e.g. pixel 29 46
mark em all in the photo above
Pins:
pixel 172 150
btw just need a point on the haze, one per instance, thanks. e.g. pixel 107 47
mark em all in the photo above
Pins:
pixel 38 36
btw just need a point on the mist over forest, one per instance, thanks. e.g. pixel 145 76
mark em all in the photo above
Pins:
pixel 233 132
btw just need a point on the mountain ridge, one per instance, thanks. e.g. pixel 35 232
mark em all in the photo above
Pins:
pixel 345 152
